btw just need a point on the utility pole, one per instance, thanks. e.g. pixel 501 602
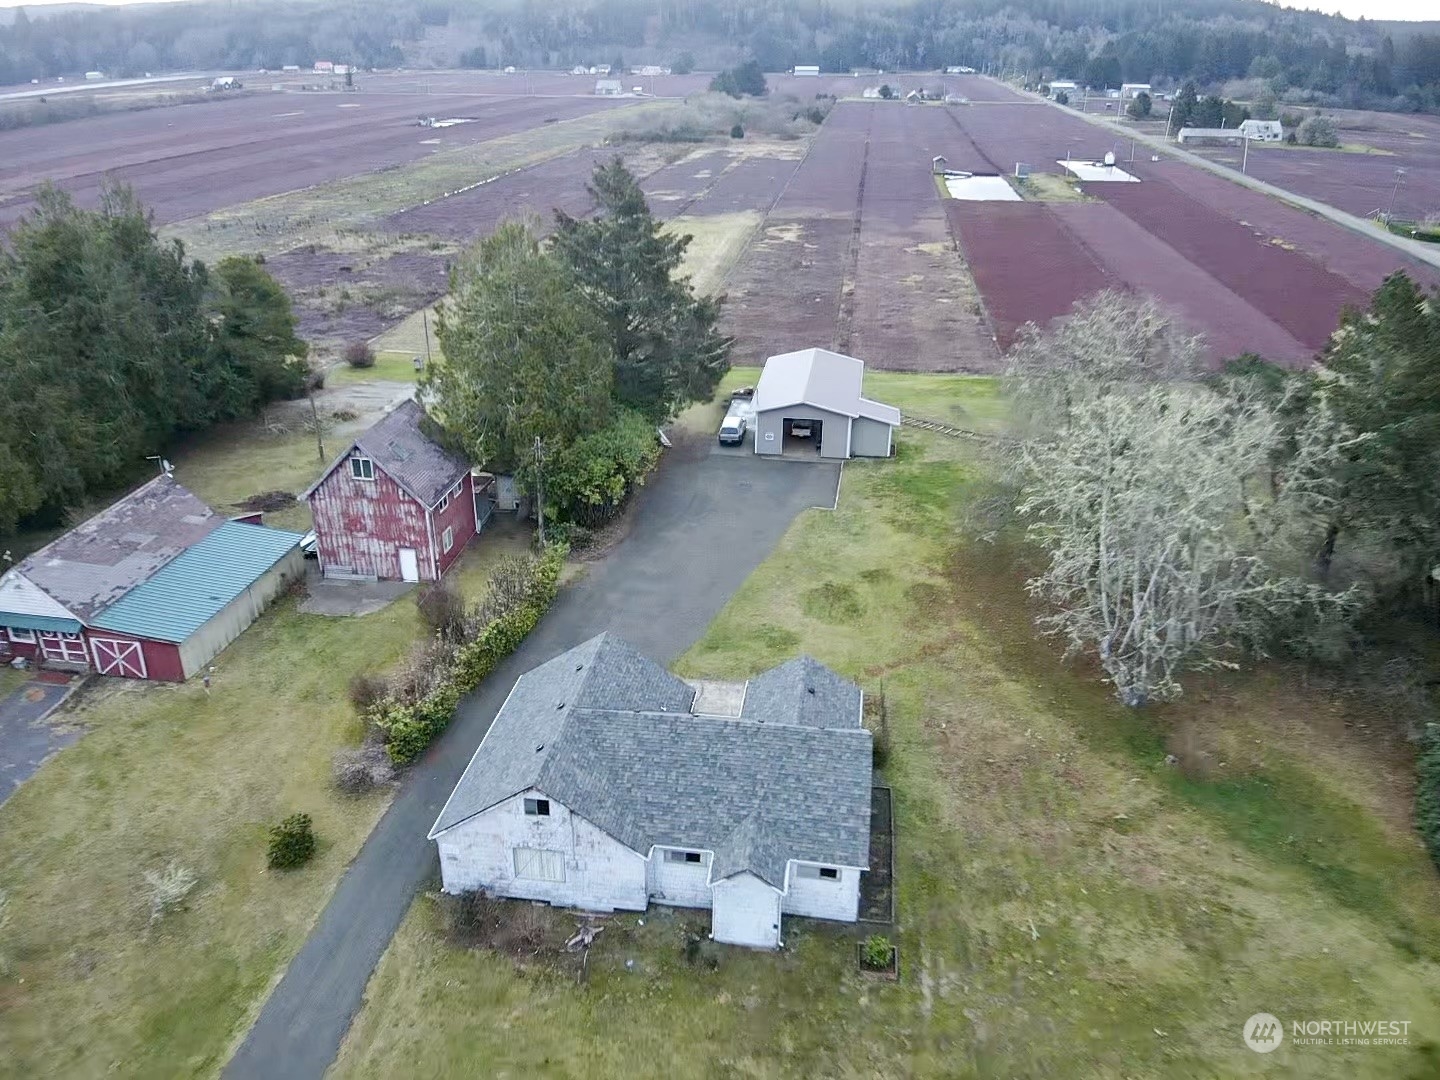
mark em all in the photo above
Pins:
pixel 425 321
pixel 540 490
pixel 1399 176
pixel 1245 156
pixel 319 434
pixel 1169 117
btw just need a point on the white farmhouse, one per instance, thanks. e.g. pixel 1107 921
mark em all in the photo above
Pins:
pixel 1262 130
pixel 607 783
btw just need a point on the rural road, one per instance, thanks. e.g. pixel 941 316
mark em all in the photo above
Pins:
pixel 1425 253
pixel 698 531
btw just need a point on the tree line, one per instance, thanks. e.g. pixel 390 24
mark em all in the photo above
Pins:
pixel 113 344
pixel 1330 60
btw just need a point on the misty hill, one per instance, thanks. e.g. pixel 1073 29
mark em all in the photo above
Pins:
pixel 1300 55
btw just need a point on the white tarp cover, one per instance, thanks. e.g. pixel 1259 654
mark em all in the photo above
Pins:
pixel 981 189
pixel 1095 172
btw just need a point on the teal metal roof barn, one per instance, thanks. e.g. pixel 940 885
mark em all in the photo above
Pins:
pixel 197 585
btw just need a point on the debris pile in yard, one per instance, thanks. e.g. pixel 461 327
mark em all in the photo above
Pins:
pixel 267 501
pixel 517 928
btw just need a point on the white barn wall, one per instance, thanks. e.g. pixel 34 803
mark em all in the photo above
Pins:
pixel 600 872
pixel 870 438
pixel 680 884
pixel 823 898
pixel 746 912
pixel 834 430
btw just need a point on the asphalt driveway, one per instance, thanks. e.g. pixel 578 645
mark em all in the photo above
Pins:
pixel 26 738
pixel 700 528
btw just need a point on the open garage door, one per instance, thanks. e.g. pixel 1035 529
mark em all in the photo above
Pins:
pixel 115 656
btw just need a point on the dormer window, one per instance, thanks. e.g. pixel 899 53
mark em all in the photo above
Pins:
pixel 362 468
pixel 818 873
pixel 691 857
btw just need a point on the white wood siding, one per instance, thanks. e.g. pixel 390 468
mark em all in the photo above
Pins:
pixel 824 898
pixel 870 438
pixel 746 912
pixel 680 883
pixel 600 872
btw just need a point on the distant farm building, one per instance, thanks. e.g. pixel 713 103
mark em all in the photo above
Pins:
pixel 1134 89
pixel 324 67
pixel 396 505
pixel 870 93
pixel 1190 134
pixel 580 69
pixel 152 587
pixel 819 392
pixel 1064 86
pixel 94 76
pixel 807 69
pixel 609 87
pixel 1100 172
pixel 1262 130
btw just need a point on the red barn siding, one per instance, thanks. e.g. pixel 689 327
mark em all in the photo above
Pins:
pixel 20 648
pixel 162 658
pixel 460 516
pixel 361 525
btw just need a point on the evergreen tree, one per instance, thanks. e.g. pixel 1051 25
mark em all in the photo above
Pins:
pixel 255 356
pixel 1183 108
pixel 522 359
pixel 667 352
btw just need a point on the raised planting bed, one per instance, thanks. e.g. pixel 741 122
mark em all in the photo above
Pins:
pixel 877 885
pixel 878 958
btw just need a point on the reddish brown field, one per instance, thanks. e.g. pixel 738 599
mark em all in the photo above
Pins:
pixel 189 160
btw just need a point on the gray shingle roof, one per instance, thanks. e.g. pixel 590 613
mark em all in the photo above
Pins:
pixel 399 444
pixel 607 733
pixel 827 380
pixel 803 692
pixel 99 561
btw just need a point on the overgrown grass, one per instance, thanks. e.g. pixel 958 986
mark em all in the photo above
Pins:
pixel 408 337
pixel 718 240
pixel 174 773
pixel 390 366
pixel 1069 903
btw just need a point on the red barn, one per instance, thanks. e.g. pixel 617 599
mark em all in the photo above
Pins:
pixel 152 587
pixel 396 505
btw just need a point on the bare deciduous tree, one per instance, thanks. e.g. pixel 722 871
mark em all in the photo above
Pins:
pixel 1113 341
pixel 1140 503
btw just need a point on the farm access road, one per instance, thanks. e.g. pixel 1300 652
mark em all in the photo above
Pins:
pixel 1425 253
pixel 658 589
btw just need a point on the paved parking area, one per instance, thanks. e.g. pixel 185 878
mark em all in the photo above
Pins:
pixel 331 597
pixel 27 738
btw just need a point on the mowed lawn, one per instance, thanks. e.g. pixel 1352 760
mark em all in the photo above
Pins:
pixel 1069 904
pixel 87 987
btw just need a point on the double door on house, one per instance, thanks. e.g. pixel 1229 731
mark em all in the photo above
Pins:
pixel 62 648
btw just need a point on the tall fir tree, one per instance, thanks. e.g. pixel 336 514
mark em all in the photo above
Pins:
pixel 668 352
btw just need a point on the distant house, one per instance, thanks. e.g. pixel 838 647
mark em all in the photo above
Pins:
pixel 870 92
pixel 606 783
pixel 580 69
pixel 1065 86
pixel 290 67
pixel 1262 130
pixel 609 87
pixel 914 97
pixel 818 391
pixel 396 505
pixel 807 69
pixel 94 76
pixel 1134 89
pixel 152 587
pixel 955 69
pixel 324 67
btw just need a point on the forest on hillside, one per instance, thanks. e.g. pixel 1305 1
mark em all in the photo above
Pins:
pixel 1304 55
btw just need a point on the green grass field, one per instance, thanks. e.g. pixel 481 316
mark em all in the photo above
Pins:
pixel 1069 904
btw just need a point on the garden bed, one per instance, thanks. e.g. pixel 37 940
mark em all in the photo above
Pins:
pixel 877 885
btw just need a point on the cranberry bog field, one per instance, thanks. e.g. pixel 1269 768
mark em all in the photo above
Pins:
pixel 1250 273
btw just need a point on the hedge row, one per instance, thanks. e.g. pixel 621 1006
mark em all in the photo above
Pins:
pixel 1427 792
pixel 409 729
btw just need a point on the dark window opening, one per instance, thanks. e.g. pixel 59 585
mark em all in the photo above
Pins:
pixel 537 807
pixel 829 872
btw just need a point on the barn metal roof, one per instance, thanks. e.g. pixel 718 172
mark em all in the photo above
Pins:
pixel 822 379
pixel 608 734
pixel 99 561
pixel 198 584
pixel 400 444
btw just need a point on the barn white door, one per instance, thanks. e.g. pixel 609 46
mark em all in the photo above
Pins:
pixel 409 565
pixel 116 657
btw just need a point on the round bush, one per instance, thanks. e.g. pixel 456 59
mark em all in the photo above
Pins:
pixel 359 354
pixel 292 842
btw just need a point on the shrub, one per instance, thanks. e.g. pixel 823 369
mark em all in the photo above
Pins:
pixel 1427 792
pixel 292 843
pixel 167 889
pixel 441 609
pixel 588 480
pixel 683 64
pixel 357 770
pixel 422 696
pixel 886 92
pixel 737 132
pixel 1062 98
pixel 359 354
pixel 875 952
pixel 1318 131
pixel 366 690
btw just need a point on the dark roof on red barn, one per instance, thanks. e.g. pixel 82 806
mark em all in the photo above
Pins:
pixel 401 444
